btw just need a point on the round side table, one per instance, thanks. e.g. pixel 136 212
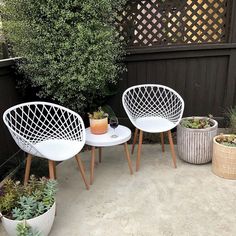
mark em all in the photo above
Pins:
pixel 105 140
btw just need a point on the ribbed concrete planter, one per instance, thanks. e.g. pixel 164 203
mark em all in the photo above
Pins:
pixel 224 160
pixel 195 145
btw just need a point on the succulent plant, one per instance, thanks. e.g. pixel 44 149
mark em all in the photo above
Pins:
pixel 227 140
pixel 196 123
pixel 27 208
pixel 24 202
pixel 25 230
pixel 99 114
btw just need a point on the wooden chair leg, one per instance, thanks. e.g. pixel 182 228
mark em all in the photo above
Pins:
pixel 51 169
pixel 172 148
pixel 82 172
pixel 27 168
pixel 92 162
pixel 135 140
pixel 128 158
pixel 55 170
pixel 139 150
pixel 100 154
pixel 162 142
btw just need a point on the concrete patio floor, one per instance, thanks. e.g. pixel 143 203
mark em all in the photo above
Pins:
pixel 156 201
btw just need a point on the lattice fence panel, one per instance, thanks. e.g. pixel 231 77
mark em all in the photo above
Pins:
pixel 155 22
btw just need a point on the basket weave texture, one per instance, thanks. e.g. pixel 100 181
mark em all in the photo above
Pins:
pixel 224 160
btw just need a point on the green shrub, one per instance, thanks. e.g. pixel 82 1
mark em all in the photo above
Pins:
pixel 70 48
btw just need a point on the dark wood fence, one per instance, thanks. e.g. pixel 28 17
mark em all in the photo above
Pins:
pixel 9 152
pixel 200 68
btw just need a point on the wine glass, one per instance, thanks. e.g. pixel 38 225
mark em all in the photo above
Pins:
pixel 114 124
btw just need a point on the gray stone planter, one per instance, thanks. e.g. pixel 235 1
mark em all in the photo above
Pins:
pixel 195 145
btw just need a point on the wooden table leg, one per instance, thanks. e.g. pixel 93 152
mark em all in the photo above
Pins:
pixel 100 154
pixel 135 139
pixel 162 142
pixel 51 169
pixel 139 150
pixel 92 162
pixel 27 168
pixel 172 148
pixel 128 158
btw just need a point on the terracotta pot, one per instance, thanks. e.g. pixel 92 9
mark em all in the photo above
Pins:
pixel 195 145
pixel 224 160
pixel 41 224
pixel 98 126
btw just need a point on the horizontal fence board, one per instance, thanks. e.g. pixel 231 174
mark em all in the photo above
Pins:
pixel 199 76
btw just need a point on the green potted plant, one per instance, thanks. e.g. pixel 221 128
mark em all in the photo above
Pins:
pixel 98 121
pixel 224 156
pixel 194 139
pixel 29 208
pixel 224 150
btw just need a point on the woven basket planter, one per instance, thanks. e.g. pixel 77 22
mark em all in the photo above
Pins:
pixel 224 160
pixel 195 145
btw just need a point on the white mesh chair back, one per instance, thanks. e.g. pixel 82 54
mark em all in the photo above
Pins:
pixel 153 100
pixel 35 123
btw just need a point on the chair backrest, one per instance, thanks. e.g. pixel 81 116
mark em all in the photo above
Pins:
pixel 147 100
pixel 33 122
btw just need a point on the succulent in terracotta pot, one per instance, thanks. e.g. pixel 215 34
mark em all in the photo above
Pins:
pixel 98 121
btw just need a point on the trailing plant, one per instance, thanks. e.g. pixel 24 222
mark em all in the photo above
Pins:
pixel 227 140
pixel 231 115
pixel 196 123
pixel 99 114
pixel 25 230
pixel 71 49
pixel 19 202
pixel 107 109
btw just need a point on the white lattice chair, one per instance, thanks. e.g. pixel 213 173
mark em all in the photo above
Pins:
pixel 153 108
pixel 46 130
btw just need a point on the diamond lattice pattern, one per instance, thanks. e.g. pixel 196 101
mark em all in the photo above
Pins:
pixel 153 101
pixel 31 124
pixel 151 22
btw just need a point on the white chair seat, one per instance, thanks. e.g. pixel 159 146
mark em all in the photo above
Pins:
pixel 58 149
pixel 153 124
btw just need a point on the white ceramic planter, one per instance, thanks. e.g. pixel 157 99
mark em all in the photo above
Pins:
pixel 42 223
pixel 195 145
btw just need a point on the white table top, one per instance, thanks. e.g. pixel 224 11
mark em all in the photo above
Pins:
pixel 105 140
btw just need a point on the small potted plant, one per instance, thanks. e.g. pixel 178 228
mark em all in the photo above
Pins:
pixel 224 156
pixel 98 121
pixel 224 149
pixel 29 208
pixel 194 139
